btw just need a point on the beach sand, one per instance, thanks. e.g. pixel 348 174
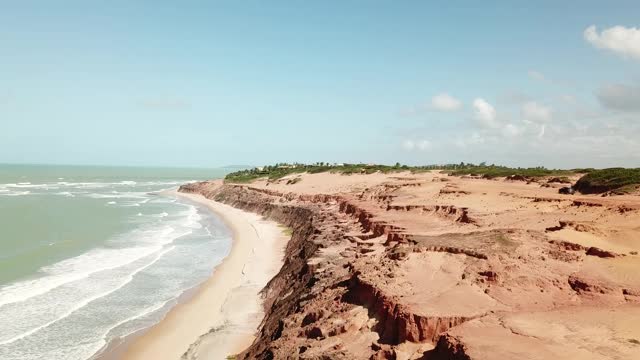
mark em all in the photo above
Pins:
pixel 221 318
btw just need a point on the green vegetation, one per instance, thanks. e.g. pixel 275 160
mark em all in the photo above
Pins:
pixel 560 179
pixel 617 180
pixel 286 230
pixel 494 171
pixel 583 170
pixel 278 171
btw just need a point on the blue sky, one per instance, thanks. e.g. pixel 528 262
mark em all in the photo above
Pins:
pixel 215 83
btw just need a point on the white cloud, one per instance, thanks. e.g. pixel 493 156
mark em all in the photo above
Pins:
pixel 541 133
pixel 471 140
pixel 536 75
pixel 532 111
pixel 510 131
pixel 619 97
pixel 416 145
pixel 424 145
pixel 550 133
pixel 485 113
pixel 568 99
pixel 619 39
pixel 408 145
pixel 445 102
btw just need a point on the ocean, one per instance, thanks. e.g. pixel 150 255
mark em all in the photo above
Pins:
pixel 91 254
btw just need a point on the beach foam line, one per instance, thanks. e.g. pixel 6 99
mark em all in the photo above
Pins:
pixel 65 193
pixel 16 193
pixel 25 290
pixel 130 195
pixel 94 185
pixel 27 186
pixel 87 301
pixel 83 266
pixel 104 341
pixel 184 324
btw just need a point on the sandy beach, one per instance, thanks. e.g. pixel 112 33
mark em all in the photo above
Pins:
pixel 220 319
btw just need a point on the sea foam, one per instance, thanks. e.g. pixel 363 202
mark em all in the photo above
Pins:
pixel 70 309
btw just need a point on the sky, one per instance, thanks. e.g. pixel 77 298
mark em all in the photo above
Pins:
pixel 214 83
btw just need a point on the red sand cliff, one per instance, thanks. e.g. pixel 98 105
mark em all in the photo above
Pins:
pixel 416 267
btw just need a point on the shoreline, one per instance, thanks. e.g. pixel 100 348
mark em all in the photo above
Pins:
pixel 220 316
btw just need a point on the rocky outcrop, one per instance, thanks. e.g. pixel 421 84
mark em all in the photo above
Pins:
pixel 396 323
pixel 577 226
pixel 448 348
pixel 454 213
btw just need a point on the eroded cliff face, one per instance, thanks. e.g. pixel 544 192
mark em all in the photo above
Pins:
pixel 317 306
pixel 370 275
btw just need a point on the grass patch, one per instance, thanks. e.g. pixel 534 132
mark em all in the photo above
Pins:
pixel 286 230
pixel 493 171
pixel 616 180
pixel 560 180
pixel 278 171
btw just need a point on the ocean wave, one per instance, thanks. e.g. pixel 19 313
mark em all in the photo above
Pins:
pixel 86 301
pixel 26 186
pixel 130 205
pixel 94 261
pixel 71 309
pixel 16 193
pixel 144 312
pixel 164 185
pixel 129 195
pixel 65 193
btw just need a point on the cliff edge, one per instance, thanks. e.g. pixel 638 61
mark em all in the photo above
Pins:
pixel 429 266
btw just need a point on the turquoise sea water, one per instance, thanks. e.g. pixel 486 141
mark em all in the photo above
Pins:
pixel 88 254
